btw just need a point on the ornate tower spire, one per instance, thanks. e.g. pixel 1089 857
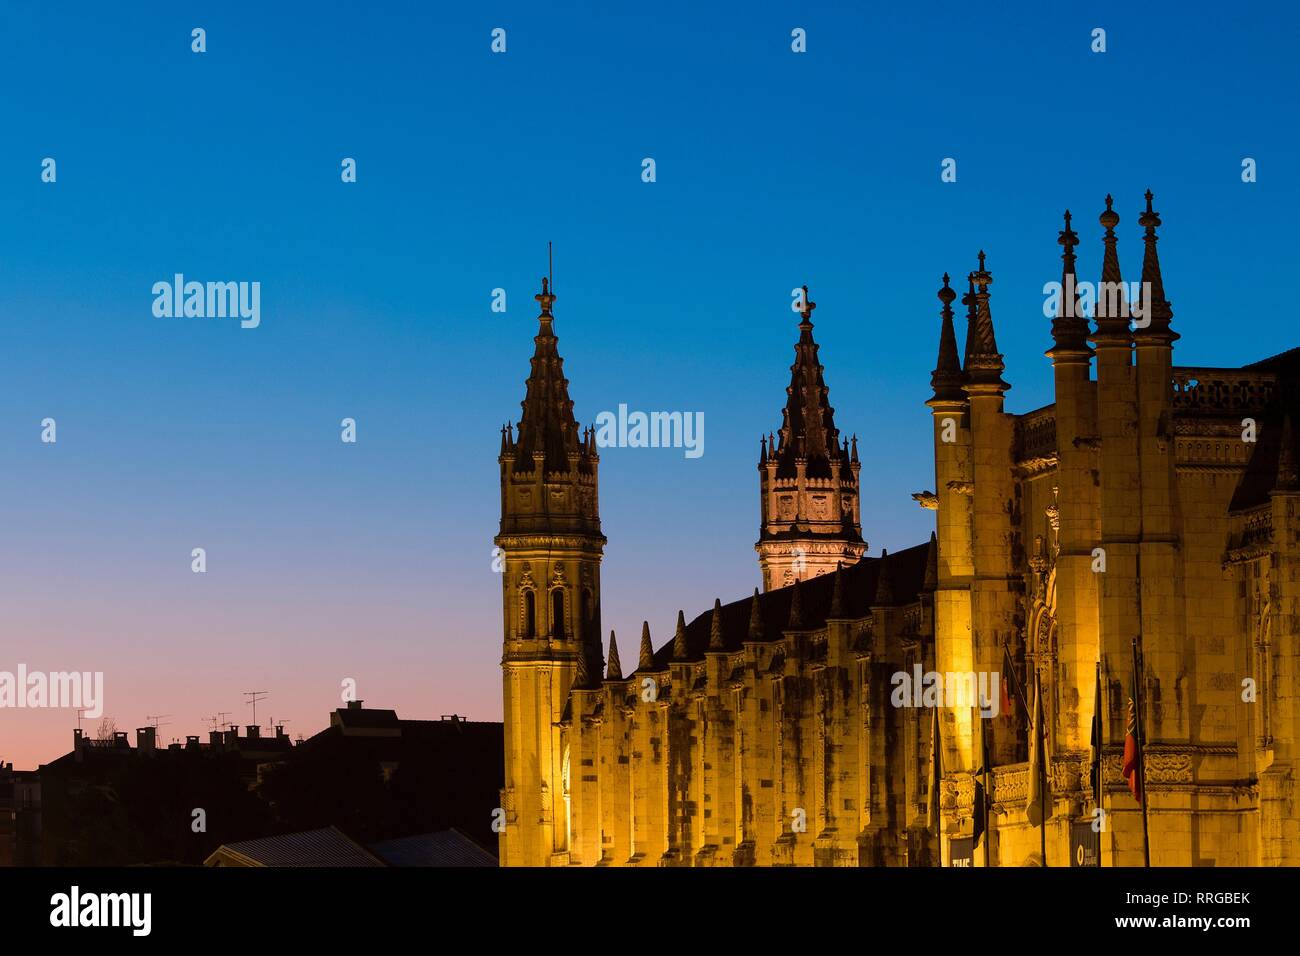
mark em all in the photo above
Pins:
pixel 547 427
pixel 984 364
pixel 715 627
pixel 947 378
pixel 552 544
pixel 1158 308
pixel 808 427
pixel 614 669
pixel 1070 326
pixel 647 661
pixel 808 479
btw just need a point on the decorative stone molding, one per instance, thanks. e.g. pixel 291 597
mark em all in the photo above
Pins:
pixel 547 542
pixel 1219 391
pixel 1010 786
pixel 1162 767
pixel 1036 435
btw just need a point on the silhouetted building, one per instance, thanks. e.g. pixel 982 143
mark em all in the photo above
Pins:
pixel 371 774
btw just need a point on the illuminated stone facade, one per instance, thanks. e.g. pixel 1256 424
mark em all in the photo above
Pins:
pixel 764 733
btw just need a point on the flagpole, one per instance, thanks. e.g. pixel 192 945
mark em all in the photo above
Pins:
pixel 1101 746
pixel 1140 736
pixel 1042 763
pixel 988 790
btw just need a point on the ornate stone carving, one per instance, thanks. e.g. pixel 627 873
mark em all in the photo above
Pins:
pixel 926 499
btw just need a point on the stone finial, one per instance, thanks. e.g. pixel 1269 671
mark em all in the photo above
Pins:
pixel 647 661
pixel 679 639
pixel 614 669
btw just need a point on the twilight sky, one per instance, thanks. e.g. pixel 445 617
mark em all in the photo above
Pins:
pixel 373 561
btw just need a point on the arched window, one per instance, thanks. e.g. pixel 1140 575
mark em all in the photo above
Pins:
pixel 557 613
pixel 530 614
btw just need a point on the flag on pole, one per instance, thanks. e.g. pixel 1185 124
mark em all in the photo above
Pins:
pixel 1096 742
pixel 1010 687
pixel 981 772
pixel 936 772
pixel 1131 752
pixel 1039 809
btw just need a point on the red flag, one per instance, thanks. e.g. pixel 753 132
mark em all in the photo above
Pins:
pixel 1130 769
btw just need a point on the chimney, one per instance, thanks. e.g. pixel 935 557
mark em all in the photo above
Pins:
pixel 78 741
pixel 279 732
pixel 191 742
pixel 145 739
pixel 214 740
pixel 119 739
pixel 232 738
pixel 254 732
pixel 355 704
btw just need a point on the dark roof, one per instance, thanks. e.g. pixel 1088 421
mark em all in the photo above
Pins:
pixel 1261 474
pixel 1284 363
pixel 452 737
pixel 367 717
pixel 443 848
pixel 906 573
pixel 325 847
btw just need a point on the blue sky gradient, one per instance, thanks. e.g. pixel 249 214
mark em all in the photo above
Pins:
pixel 373 561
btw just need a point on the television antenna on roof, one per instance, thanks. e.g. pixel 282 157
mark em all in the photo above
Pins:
pixel 253 697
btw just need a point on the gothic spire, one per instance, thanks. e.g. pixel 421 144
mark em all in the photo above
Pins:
pixel 1069 326
pixel 1111 310
pixel 647 661
pixel 1287 477
pixel 582 677
pixel 614 670
pixel 547 426
pixel 808 420
pixel 839 599
pixel 715 627
pixel 796 607
pixel 679 639
pixel 931 581
pixel 946 380
pixel 1160 310
pixel 884 581
pixel 984 364
pixel 755 619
